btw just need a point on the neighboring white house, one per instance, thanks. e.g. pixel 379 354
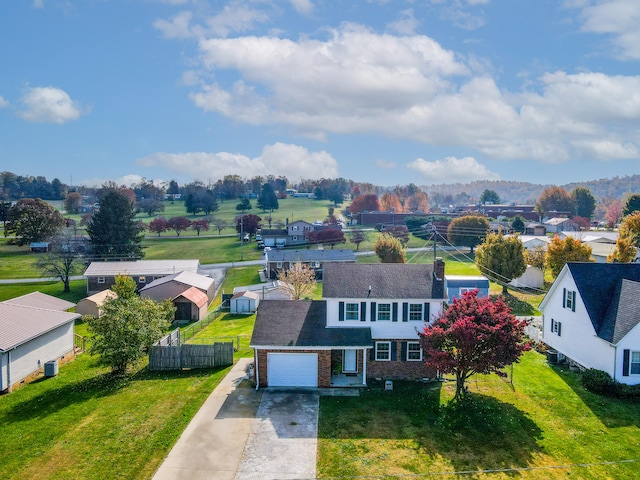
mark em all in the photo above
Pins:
pixel 34 329
pixel 591 315
pixel 531 278
pixel 533 241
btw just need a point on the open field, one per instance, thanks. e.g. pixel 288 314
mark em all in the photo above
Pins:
pixel 546 426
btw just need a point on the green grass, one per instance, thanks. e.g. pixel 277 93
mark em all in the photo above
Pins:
pixel 547 419
pixel 87 424
pixel 77 293
pixel 206 249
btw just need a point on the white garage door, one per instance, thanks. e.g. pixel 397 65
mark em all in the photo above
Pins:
pixel 292 369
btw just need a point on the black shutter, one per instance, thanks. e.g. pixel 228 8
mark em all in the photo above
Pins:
pixel 404 352
pixel 625 362
pixel 552 324
pixel 559 329
pixel 372 353
pixel 393 352
pixel 564 297
pixel 341 311
pixel 405 311
pixel 427 312
pixel 573 302
pixel 394 316
pixel 363 311
pixel 373 311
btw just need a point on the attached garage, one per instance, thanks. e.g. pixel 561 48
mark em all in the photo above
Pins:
pixel 292 369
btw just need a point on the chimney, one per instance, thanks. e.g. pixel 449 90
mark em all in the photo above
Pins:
pixel 438 268
pixel 369 294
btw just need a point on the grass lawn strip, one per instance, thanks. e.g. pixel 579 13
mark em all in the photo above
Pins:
pixel 547 420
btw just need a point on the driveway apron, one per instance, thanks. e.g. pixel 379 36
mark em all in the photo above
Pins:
pixel 284 438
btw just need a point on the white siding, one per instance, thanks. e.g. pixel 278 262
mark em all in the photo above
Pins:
pixel 630 341
pixel 46 347
pixel 382 328
pixel 578 339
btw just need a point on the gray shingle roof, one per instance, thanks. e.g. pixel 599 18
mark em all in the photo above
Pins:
pixel 304 255
pixel 19 323
pixel 302 323
pixel 611 296
pixel 387 280
pixel 186 278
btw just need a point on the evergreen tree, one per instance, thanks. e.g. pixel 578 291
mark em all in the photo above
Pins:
pixel 489 196
pixel 113 230
pixel 268 199
pixel 632 205
pixel 585 203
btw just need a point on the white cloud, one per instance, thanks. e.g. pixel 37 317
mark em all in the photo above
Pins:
pixel 49 105
pixel 126 180
pixel 38 4
pixel 293 161
pixel 405 24
pixel 3 103
pixel 618 18
pixel 303 7
pixel 384 164
pixel 235 17
pixel 452 170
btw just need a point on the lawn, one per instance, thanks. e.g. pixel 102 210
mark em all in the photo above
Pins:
pixel 86 424
pixel 543 427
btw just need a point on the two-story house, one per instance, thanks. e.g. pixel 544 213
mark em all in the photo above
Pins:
pixel 295 233
pixel 277 261
pixel 366 326
pixel 592 317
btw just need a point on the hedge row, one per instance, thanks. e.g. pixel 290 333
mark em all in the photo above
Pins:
pixel 600 382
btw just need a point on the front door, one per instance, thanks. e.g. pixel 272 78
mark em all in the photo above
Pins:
pixel 349 361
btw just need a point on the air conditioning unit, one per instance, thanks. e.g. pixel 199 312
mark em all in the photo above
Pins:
pixel 51 368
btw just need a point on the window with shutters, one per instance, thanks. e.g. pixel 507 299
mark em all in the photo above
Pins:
pixel 384 311
pixel 383 351
pixel 570 300
pixel 352 311
pixel 414 352
pixel 556 327
pixel 415 311
pixel 634 363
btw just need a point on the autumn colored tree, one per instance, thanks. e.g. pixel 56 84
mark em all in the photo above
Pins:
pixel 33 220
pixel 468 231
pixel 357 236
pixel 554 199
pixel 560 251
pixel 582 223
pixel 72 202
pixel 473 336
pixel 249 223
pixel 501 259
pixel 327 236
pixel 158 225
pixel 400 232
pixel 631 205
pixel 613 213
pixel 298 281
pixel 200 226
pixel 389 249
pixel 369 202
pixel 628 239
pixel 418 202
pixel 391 203
pixel 536 257
pixel 179 224
pixel 584 201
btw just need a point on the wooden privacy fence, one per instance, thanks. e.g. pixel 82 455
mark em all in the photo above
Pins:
pixel 177 357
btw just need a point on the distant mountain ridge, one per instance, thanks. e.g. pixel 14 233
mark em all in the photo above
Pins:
pixel 526 193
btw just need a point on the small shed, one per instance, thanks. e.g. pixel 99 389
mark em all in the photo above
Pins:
pixel 191 304
pixel 92 305
pixel 31 336
pixel 40 247
pixel 456 285
pixel 245 302
pixel 532 278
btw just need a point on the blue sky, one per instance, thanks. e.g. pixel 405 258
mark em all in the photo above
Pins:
pixel 381 91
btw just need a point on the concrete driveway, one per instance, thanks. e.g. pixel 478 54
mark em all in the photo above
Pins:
pixel 242 434
pixel 284 438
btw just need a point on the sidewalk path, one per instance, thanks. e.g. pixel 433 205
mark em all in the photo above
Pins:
pixel 212 444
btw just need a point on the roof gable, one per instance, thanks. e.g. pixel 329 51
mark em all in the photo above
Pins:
pixel 195 296
pixel 623 313
pixel 378 280
pixel 186 278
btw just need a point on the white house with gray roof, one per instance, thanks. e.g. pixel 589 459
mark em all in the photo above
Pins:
pixel 34 329
pixel 591 315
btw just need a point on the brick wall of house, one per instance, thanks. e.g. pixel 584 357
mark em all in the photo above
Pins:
pixel 399 368
pixel 324 366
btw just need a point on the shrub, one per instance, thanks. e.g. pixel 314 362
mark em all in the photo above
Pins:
pixel 600 382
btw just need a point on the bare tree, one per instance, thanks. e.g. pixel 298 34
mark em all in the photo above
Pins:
pixel 64 260
pixel 299 280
